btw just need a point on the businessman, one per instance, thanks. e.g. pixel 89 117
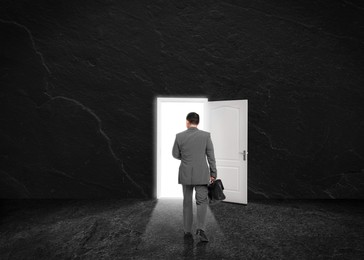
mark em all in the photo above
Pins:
pixel 192 147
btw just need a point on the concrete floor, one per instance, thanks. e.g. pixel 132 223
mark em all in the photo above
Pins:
pixel 152 229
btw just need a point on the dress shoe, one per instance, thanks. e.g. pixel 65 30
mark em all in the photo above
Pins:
pixel 188 235
pixel 188 238
pixel 201 235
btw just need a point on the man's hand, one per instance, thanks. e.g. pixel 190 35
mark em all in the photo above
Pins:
pixel 212 179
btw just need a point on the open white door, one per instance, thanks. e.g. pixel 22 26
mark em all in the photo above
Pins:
pixel 228 124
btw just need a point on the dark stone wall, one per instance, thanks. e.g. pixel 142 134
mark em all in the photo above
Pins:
pixel 79 78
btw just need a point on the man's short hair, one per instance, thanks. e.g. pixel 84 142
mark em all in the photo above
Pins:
pixel 193 118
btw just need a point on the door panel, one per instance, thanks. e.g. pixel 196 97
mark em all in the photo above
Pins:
pixel 230 175
pixel 228 127
pixel 228 146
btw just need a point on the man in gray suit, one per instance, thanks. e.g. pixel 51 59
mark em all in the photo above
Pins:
pixel 192 147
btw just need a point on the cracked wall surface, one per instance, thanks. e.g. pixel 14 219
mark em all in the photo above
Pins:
pixel 78 82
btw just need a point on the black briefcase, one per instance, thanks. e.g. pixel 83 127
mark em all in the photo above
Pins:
pixel 216 191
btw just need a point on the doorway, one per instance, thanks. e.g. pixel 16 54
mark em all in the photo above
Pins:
pixel 171 119
pixel 227 123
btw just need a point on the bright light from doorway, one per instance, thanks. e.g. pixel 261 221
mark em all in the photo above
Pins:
pixel 171 116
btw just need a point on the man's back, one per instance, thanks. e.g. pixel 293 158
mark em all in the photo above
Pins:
pixel 192 146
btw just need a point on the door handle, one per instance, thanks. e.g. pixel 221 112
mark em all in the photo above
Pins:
pixel 244 153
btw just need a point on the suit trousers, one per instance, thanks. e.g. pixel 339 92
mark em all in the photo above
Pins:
pixel 201 204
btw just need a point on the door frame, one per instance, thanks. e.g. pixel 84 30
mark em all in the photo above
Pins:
pixel 206 120
pixel 157 127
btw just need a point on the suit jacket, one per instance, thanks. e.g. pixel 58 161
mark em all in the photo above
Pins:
pixel 192 147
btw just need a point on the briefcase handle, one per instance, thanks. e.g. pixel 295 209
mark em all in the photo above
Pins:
pixel 220 182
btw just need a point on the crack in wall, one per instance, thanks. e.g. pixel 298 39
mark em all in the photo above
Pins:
pixel 353 151
pixel 354 5
pixel 25 190
pixel 106 137
pixel 31 37
pixel 342 183
pixel 311 155
pixel 255 190
pixel 260 131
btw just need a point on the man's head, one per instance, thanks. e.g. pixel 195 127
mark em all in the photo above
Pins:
pixel 192 119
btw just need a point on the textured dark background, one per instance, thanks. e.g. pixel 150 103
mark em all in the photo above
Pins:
pixel 79 78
